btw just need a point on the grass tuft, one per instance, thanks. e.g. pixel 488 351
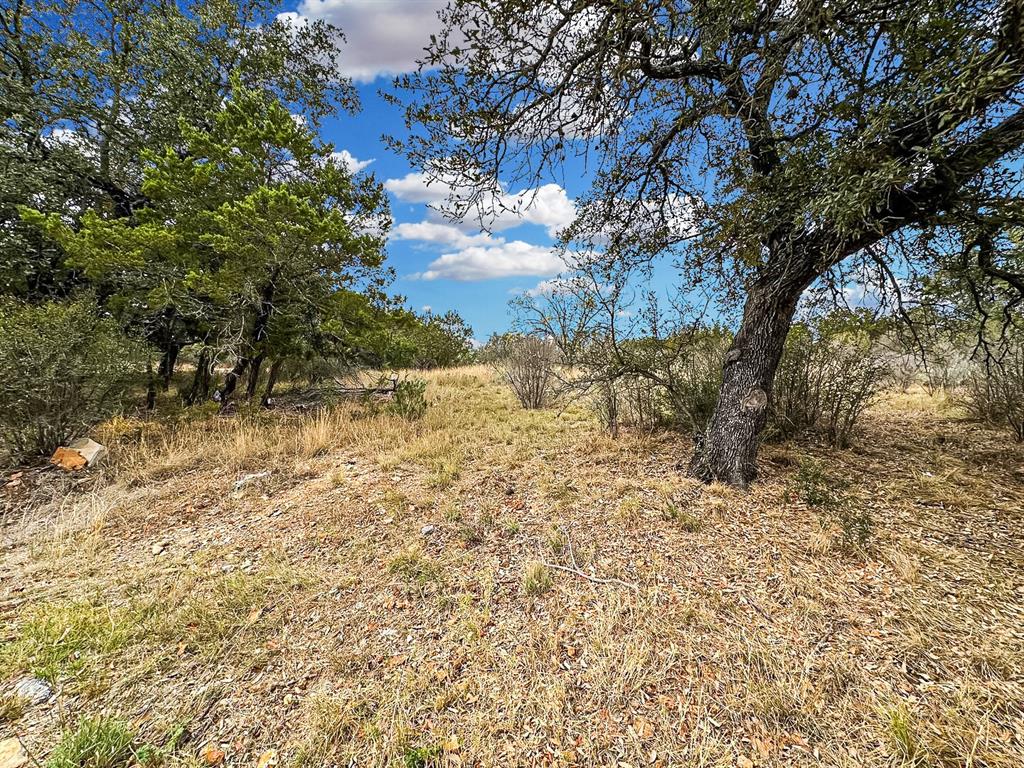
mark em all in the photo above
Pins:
pixel 537 580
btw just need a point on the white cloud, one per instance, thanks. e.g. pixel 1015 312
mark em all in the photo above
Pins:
pixel 499 259
pixel 382 37
pixel 425 308
pixel 350 161
pixel 548 205
pixel 441 234
pixel 416 187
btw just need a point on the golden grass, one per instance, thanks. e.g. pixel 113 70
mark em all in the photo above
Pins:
pixel 386 594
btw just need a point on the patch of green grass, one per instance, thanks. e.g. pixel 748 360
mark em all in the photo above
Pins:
pixel 218 609
pixel 683 518
pixel 902 736
pixel 96 743
pixel 556 541
pixel 69 640
pixel 413 566
pixel 422 757
pixel 537 580
pixel 444 471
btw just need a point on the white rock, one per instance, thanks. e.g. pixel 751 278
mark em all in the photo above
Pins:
pixel 427 529
pixel 33 690
pixel 243 481
pixel 88 449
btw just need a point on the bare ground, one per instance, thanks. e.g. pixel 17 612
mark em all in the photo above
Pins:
pixel 497 587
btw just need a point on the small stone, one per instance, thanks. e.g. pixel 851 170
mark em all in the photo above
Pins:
pixel 33 690
pixel 243 481
pixel 12 754
pixel 427 529
pixel 89 450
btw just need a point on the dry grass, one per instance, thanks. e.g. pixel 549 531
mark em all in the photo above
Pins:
pixel 388 594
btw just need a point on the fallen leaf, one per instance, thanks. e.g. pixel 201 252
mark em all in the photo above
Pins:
pixel 744 762
pixel 212 754
pixel 268 759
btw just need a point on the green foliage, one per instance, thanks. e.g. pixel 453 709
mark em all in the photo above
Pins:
pixel 95 743
pixel 830 371
pixel 253 231
pixel 87 87
pixel 827 495
pixel 63 368
pixel 409 400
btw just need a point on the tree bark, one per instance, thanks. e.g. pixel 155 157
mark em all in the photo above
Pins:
pixel 231 380
pixel 254 375
pixel 727 451
pixel 168 361
pixel 275 370
pixel 200 388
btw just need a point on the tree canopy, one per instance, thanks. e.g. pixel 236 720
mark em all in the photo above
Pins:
pixel 764 145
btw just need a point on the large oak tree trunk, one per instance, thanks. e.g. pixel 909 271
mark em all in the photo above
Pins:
pixel 727 451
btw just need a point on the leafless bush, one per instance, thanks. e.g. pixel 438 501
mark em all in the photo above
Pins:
pixel 994 390
pixel 527 363
pixel 948 367
pixel 825 382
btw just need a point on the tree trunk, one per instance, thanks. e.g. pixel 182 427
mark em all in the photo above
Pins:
pixel 231 380
pixel 727 451
pixel 150 386
pixel 200 388
pixel 275 369
pixel 168 361
pixel 254 375
pixel 259 334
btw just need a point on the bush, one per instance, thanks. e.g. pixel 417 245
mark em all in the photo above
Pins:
pixel 409 400
pixel 528 363
pixel 63 369
pixel 825 381
pixel 827 495
pixel 994 390
pixel 658 383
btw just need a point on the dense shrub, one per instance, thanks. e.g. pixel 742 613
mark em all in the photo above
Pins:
pixel 826 379
pixel 409 400
pixel 63 368
pixel 659 384
pixel 994 390
pixel 527 363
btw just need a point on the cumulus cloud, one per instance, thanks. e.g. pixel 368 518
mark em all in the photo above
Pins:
pixel 548 205
pixel 350 161
pixel 498 259
pixel 382 37
pixel 439 234
pixel 415 187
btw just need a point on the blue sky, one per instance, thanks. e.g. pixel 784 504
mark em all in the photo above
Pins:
pixel 439 264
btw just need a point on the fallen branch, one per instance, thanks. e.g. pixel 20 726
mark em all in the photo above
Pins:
pixel 594 579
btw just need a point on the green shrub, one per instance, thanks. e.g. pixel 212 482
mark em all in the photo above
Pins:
pixel 827 495
pixel 410 400
pixel 829 374
pixel 63 368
